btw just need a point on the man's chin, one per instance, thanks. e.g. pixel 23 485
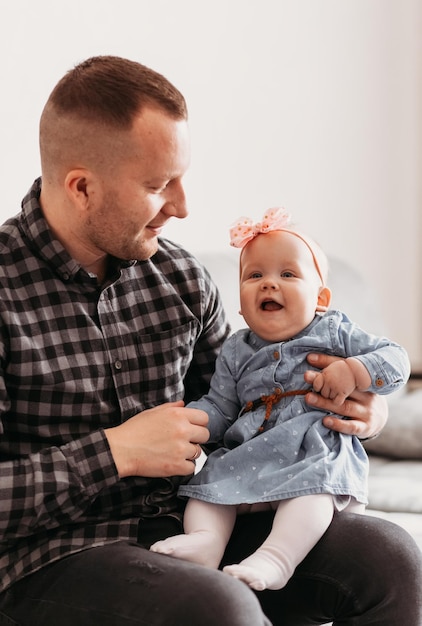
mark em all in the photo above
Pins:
pixel 147 249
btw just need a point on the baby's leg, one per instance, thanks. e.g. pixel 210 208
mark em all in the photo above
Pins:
pixel 208 528
pixel 298 525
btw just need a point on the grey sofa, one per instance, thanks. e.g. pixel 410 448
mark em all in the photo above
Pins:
pixel 395 482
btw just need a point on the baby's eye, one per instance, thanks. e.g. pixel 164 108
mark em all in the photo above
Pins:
pixel 255 275
pixel 287 274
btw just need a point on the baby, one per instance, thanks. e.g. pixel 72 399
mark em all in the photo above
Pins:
pixel 273 449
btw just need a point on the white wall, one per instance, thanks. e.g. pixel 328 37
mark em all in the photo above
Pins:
pixel 310 104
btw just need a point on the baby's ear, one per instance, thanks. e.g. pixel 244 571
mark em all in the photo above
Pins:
pixel 324 299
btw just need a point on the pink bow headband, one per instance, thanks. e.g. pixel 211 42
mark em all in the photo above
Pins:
pixel 244 230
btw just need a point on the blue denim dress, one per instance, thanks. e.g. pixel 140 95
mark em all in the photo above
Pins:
pixel 291 453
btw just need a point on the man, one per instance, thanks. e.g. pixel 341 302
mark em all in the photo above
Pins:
pixel 106 329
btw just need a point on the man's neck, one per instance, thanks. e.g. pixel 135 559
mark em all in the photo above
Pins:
pixel 59 219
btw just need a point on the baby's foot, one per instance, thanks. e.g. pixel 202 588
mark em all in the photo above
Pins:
pixel 198 547
pixel 260 571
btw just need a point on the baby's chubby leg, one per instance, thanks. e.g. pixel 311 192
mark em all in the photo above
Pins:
pixel 298 525
pixel 208 528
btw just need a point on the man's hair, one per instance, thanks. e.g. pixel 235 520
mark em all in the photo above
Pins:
pixel 95 102
pixel 111 90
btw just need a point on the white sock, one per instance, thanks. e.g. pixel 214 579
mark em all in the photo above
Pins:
pixel 267 568
pixel 298 524
pixel 202 547
pixel 208 528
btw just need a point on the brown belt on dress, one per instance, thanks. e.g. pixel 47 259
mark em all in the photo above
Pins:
pixel 269 402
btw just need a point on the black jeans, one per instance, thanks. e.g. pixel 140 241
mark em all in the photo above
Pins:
pixel 363 571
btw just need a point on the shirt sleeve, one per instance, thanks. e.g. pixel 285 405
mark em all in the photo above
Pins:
pixel 55 486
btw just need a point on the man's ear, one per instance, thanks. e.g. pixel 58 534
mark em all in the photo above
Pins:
pixel 324 300
pixel 79 184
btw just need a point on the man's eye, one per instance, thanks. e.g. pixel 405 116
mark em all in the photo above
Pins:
pixel 159 189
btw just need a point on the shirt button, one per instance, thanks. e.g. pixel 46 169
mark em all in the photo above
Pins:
pixel 276 354
pixel 118 365
pixel 379 382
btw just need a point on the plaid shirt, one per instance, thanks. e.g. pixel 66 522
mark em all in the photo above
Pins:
pixel 76 358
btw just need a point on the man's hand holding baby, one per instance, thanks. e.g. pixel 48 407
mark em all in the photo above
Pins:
pixel 366 413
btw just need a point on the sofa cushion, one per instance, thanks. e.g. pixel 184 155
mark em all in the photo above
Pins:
pixel 395 485
pixel 402 436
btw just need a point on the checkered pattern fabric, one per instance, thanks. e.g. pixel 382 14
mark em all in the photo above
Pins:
pixel 75 358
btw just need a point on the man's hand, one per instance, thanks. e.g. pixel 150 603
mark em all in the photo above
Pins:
pixel 158 442
pixel 367 413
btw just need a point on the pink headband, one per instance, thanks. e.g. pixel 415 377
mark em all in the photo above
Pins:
pixel 244 230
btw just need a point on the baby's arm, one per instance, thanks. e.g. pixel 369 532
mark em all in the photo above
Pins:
pixel 339 379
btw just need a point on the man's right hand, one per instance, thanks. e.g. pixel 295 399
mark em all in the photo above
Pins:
pixel 158 442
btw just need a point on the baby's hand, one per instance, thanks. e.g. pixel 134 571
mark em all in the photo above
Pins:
pixel 336 382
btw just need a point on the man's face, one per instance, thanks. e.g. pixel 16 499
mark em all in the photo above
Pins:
pixel 142 190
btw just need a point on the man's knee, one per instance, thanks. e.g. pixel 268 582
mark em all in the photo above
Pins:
pixel 217 598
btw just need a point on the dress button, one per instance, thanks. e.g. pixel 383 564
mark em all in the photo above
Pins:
pixel 379 382
pixel 276 354
pixel 118 365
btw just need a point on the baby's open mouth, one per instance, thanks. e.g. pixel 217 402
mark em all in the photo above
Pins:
pixel 271 305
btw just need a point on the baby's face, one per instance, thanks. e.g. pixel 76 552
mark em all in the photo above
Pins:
pixel 279 285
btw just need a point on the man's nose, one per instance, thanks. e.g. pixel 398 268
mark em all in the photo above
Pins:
pixel 175 204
